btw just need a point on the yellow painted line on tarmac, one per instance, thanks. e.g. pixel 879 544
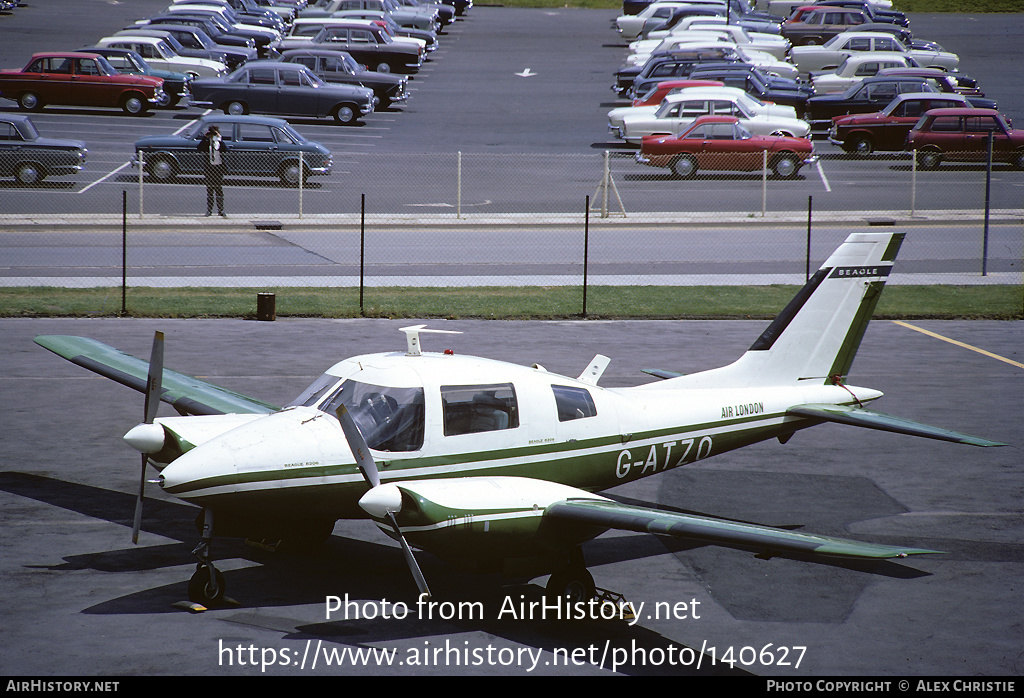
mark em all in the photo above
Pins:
pixel 959 344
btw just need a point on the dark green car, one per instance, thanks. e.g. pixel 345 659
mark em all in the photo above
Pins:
pixel 30 158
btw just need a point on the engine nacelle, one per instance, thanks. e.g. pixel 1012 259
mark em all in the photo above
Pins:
pixel 479 517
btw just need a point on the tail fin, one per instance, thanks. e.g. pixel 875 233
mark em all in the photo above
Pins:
pixel 817 335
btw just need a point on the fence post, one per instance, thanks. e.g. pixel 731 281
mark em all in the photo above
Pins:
pixel 988 194
pixel 124 252
pixel 586 253
pixel 764 182
pixel 913 180
pixel 458 186
pixel 807 268
pixel 302 180
pixel 141 170
pixel 362 247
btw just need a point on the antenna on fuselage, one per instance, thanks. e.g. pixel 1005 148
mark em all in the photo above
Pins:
pixel 412 338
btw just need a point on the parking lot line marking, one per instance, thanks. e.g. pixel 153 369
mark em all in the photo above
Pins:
pixel 824 179
pixel 959 344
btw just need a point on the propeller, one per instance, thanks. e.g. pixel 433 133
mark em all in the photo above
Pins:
pixel 153 387
pixel 382 500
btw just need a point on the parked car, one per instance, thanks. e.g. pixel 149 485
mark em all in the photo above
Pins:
pixel 272 87
pixel 652 100
pixel 873 11
pixel 872 94
pixel 810 26
pixel 421 17
pixel 810 59
pixel 30 158
pixel 194 38
pixel 130 63
pixel 255 146
pixel 222 33
pixel 721 143
pixel 159 54
pixel 78 79
pixel 887 130
pixel 678 112
pixel 757 83
pixel 340 67
pixel 954 82
pixel 369 44
pixel 962 134
pixel 674 65
pixel 855 68
pixel 772 44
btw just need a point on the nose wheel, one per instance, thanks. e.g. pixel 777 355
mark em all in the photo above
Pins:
pixel 206 587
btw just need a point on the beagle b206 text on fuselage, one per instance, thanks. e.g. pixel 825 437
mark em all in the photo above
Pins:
pixel 479 460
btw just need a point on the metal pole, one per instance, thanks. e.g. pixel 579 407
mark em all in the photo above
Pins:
pixel 141 168
pixel 458 187
pixel 764 182
pixel 302 180
pixel 607 177
pixel 913 180
pixel 124 251
pixel 586 252
pixel 807 271
pixel 362 246
pixel 988 194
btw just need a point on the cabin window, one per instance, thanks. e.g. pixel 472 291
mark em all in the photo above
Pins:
pixel 390 419
pixel 573 403
pixel 317 389
pixel 471 409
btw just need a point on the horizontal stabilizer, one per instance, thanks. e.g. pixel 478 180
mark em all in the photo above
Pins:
pixel 731 534
pixel 188 395
pixel 661 373
pixel 860 417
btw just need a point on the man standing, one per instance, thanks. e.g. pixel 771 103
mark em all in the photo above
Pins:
pixel 214 169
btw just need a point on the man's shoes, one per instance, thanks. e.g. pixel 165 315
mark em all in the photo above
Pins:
pixel 223 215
pixel 207 214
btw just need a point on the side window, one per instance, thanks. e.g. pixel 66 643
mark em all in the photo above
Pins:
pixel 866 69
pixel 261 76
pixel 7 133
pixel 258 133
pixel 573 403
pixel 696 134
pixel 982 124
pixel 471 409
pixel 946 123
pixel 721 132
pixel 859 44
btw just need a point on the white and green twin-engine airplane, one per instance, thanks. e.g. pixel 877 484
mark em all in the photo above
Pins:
pixel 474 459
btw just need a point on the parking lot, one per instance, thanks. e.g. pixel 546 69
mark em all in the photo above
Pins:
pixel 523 96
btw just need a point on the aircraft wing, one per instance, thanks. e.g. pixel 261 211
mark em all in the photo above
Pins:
pixel 860 417
pixel 188 395
pixel 764 540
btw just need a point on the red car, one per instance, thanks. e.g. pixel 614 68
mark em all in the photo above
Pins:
pixel 657 93
pixel 78 79
pixel 721 143
pixel 962 134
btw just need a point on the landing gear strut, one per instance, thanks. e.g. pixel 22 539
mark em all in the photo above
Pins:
pixel 207 584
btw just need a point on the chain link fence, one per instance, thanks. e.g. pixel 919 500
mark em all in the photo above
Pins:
pixel 509 220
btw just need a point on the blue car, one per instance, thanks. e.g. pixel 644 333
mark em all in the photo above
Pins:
pixel 255 146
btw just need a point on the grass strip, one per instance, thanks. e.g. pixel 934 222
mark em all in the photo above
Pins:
pixel 1002 302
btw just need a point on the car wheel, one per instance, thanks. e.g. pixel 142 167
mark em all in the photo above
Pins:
pixel 345 114
pixel 165 100
pixel 1018 160
pixel 134 105
pixel 29 101
pixel 861 145
pixel 236 108
pixel 383 67
pixel 786 166
pixel 289 173
pixel 929 159
pixel 684 166
pixel 29 173
pixel 162 168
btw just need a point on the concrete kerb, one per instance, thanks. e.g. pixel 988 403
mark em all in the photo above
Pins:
pixel 251 222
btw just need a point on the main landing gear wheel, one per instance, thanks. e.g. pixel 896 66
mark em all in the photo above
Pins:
pixel 206 586
pixel 573 585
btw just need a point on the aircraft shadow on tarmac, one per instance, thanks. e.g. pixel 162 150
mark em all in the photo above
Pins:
pixel 788 588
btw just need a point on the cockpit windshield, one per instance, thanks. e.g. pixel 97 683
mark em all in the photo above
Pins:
pixel 390 419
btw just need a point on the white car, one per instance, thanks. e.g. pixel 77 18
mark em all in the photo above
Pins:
pixel 855 68
pixel 829 55
pixel 678 111
pixel 159 54
pixel 767 63
pixel 633 26
pixel 773 44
